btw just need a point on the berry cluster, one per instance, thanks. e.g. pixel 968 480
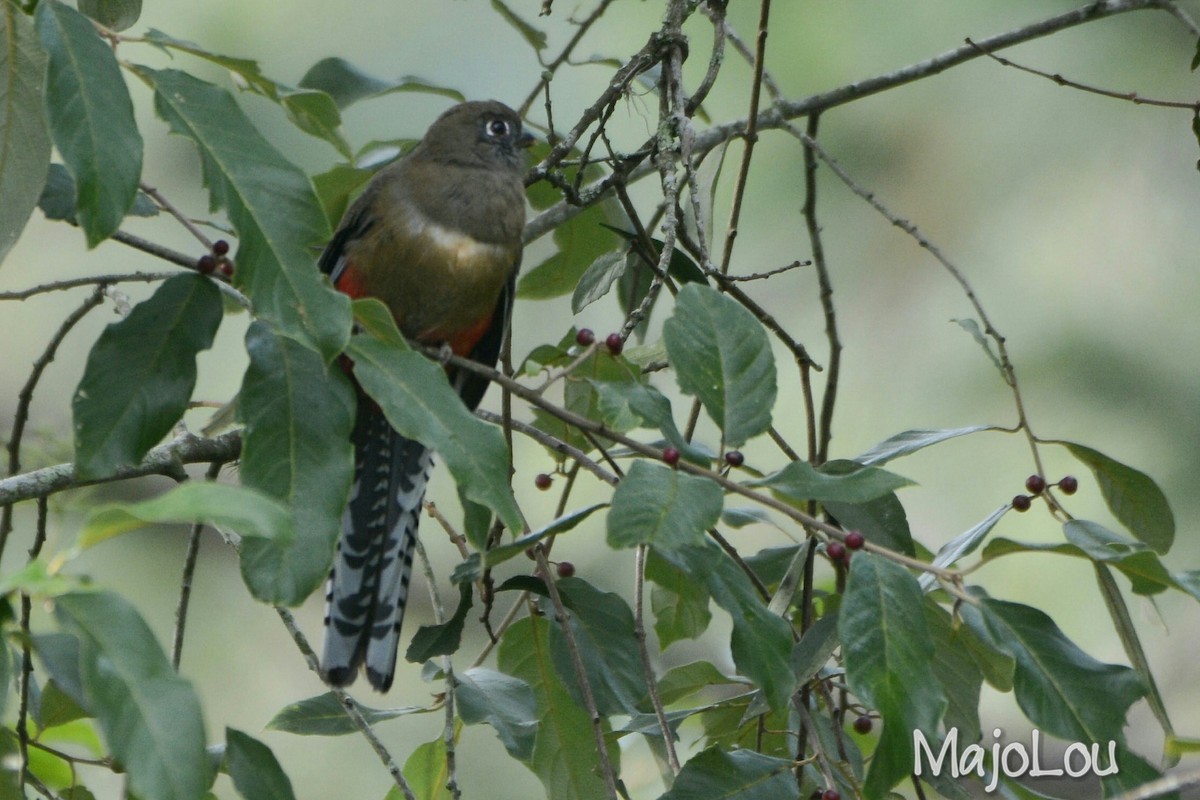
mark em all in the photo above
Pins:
pixel 216 261
pixel 1036 484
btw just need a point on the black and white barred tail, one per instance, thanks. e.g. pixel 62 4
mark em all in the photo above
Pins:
pixel 368 586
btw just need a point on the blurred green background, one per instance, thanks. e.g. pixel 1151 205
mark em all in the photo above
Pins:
pixel 1073 216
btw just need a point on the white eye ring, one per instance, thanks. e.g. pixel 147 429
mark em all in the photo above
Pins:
pixel 497 128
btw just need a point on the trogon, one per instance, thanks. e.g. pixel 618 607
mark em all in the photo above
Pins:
pixel 437 237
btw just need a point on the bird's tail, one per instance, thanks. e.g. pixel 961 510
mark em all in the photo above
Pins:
pixel 368 586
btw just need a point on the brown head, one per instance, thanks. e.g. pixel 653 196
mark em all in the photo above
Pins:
pixel 483 134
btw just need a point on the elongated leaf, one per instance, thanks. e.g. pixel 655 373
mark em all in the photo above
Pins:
pixel 661 506
pixel 567 522
pixel 564 748
pixel 140 374
pixel 815 647
pixel 246 71
pixel 721 355
pixel 24 133
pixel 972 327
pixel 255 771
pixel 882 520
pixel 680 603
pixel 324 715
pixel 1132 496
pixel 628 404
pixel 1064 691
pixel 150 716
pixel 419 403
pixel 598 279
pixel 347 84
pixel 761 642
pixel 272 207
pixel 739 775
pixel 316 114
pixel 602 626
pixel 580 241
pixel 427 772
pixel 535 38
pixel 431 641
pixel 962 545
pixel 298 411
pixel 116 15
pixel 504 702
pixel 799 482
pixel 91 117
pixel 248 512
pixel 908 442
pixel 958 674
pixel 888 654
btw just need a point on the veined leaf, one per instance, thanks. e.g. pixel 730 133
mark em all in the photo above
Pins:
pixel 299 411
pixel 115 15
pixel 91 117
pixel 504 702
pixel 739 775
pixel 347 84
pixel 721 355
pixel 324 715
pixel 903 444
pixel 255 771
pixel 799 482
pixel 272 207
pixel 140 374
pixel 24 133
pixel 663 507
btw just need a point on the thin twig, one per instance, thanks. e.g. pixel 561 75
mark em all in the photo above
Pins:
pixel 585 686
pixel 448 730
pixel 183 219
pixel 550 69
pixel 185 582
pixel 639 631
pixel 39 539
pixel 157 250
pixel 555 444
pixel 348 704
pixel 94 280
pixel 1132 97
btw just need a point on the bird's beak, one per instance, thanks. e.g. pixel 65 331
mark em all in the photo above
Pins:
pixel 526 140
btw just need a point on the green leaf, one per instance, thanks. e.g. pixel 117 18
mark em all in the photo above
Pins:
pixel 347 84
pixel 816 647
pixel 580 241
pixel 298 412
pixel 56 707
pixel 661 506
pixel 249 512
pixel 535 38
pixel 598 279
pixel 316 114
pixel 24 134
pixel 59 653
pixel 504 702
pixel 761 641
pixel 625 405
pixel 1132 496
pixel 799 482
pixel 739 775
pixel 882 520
pixel 956 671
pixel 431 641
pixel 602 626
pixel 888 654
pixel 962 545
pixel 1064 691
pixel 426 771
pixel 115 15
pixel 336 187
pixel 149 715
pixel 272 207
pixel 255 772
pixel 419 403
pixel 680 603
pixel 721 355
pixel 567 522
pixel 91 118
pixel 564 746
pixel 140 374
pixel 688 679
pixel 36 580
pixel 908 442
pixel 324 715
pixel 245 71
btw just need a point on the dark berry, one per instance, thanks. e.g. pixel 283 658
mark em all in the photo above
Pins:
pixel 855 540
pixel 1036 484
pixel 220 247
pixel 835 550
pixel 565 569
pixel 615 343
pixel 734 458
pixel 584 337
pixel 206 264
pixel 542 481
pixel 227 268
pixel 670 455
pixel 863 724
pixel 1068 485
pixel 831 794
pixel 1021 502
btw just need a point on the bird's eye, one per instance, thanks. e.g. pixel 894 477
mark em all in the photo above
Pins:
pixel 497 128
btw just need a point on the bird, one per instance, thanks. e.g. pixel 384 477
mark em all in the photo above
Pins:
pixel 437 237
